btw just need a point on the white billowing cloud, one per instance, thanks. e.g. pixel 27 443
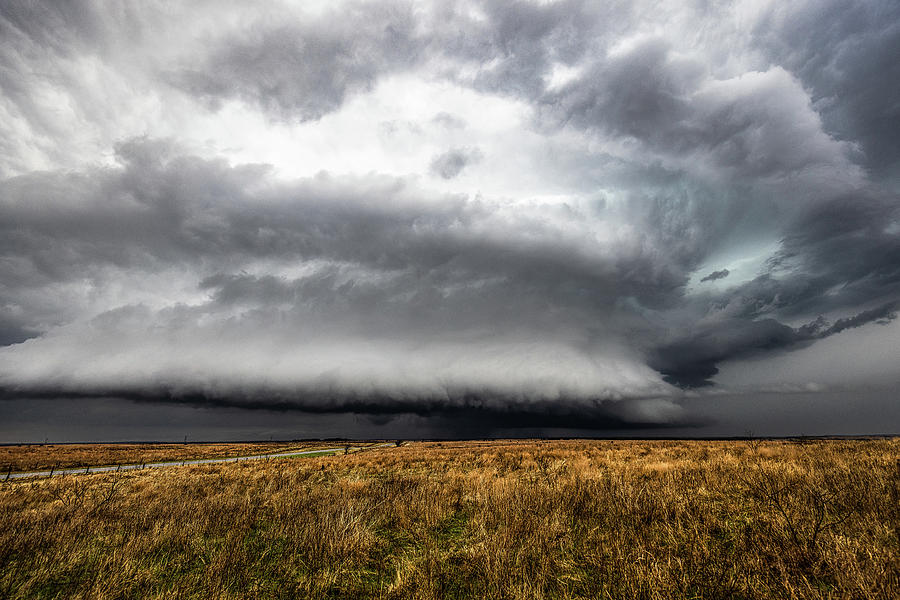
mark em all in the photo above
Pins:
pixel 177 353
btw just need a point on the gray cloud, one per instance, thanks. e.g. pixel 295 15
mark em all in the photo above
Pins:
pixel 305 70
pixel 843 52
pixel 293 66
pixel 838 256
pixel 516 45
pixel 715 275
pixel 449 164
pixel 161 209
pixel 758 126
pixel 692 361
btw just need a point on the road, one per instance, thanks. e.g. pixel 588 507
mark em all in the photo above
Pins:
pixel 173 463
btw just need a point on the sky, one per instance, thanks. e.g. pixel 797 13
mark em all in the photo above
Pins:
pixel 232 220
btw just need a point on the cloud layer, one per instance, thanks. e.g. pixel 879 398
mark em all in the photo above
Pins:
pixel 515 211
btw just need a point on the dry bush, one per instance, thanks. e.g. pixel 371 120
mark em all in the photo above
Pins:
pixel 507 519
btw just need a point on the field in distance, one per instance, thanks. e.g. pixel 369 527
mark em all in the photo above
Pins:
pixel 502 519
pixel 41 457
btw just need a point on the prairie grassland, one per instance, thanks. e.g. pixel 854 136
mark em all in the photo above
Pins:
pixel 37 457
pixel 538 519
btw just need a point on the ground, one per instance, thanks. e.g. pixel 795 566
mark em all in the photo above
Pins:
pixel 499 519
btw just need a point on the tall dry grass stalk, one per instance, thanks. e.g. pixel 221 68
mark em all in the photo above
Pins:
pixel 560 519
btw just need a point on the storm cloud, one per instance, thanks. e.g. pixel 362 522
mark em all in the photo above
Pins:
pixel 451 163
pixel 306 70
pixel 721 274
pixel 502 214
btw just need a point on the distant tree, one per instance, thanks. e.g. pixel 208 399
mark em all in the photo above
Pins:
pixel 398 443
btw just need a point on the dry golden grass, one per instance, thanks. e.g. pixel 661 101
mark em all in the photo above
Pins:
pixel 552 519
pixel 37 457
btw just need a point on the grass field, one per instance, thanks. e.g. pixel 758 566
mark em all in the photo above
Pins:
pixel 522 519
pixel 38 457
